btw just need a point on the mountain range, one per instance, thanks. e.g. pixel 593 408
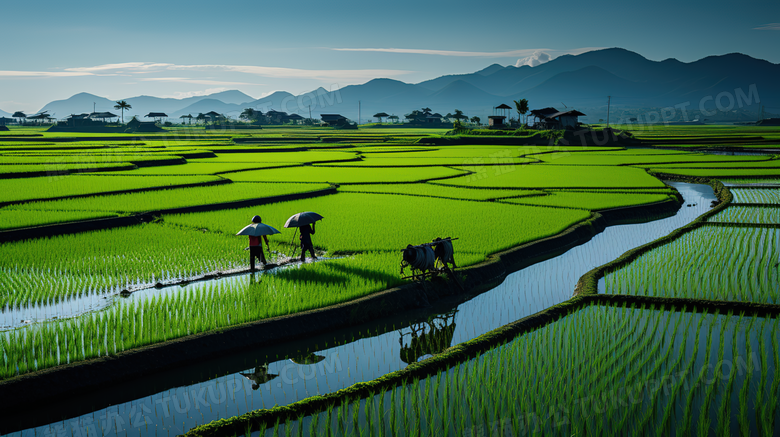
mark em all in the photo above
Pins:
pixel 570 81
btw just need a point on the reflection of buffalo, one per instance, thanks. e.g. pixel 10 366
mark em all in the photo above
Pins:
pixel 310 358
pixel 260 376
pixel 438 337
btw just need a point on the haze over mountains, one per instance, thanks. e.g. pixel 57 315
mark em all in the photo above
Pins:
pixel 577 81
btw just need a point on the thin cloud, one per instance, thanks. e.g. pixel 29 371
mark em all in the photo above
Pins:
pixel 195 81
pixel 770 26
pixel 121 66
pixel 295 73
pixel 130 68
pixel 8 73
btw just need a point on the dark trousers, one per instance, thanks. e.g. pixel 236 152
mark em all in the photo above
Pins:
pixel 306 245
pixel 256 252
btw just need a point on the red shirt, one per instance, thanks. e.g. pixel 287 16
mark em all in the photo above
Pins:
pixel 254 241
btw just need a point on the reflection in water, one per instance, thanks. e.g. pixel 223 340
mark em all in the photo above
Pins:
pixel 307 359
pixel 522 293
pixel 428 338
pixel 259 377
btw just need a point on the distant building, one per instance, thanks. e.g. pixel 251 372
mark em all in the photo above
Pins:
pixel 540 115
pixel 333 119
pixel 337 121
pixel 80 121
pixel 157 116
pixel 496 121
pixel 102 116
pixel 294 118
pixel 434 118
pixel 277 117
pixel 564 120
pixel 212 116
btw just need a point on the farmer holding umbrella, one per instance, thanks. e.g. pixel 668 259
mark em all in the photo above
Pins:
pixel 302 220
pixel 256 230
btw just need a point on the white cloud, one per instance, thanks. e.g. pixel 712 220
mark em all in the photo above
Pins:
pixel 195 81
pixel 770 26
pixel 8 73
pixel 537 58
pixel 138 68
pixel 295 73
pixel 121 66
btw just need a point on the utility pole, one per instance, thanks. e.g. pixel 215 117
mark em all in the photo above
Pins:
pixel 93 107
pixel 609 101
pixel 358 112
pixel 309 112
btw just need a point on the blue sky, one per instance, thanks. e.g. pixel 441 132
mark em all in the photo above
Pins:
pixel 53 50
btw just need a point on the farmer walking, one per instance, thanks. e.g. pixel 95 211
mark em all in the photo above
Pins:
pixel 304 221
pixel 255 231
pixel 306 244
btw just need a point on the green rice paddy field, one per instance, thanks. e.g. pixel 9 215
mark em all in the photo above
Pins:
pixel 392 188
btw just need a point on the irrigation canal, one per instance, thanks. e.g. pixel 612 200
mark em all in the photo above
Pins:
pixel 173 402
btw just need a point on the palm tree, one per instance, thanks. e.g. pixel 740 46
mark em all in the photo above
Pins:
pixel 522 107
pixel 122 105
pixel 458 115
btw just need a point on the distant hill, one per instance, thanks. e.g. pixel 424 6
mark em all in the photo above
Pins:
pixel 141 105
pixel 78 104
pixel 5 114
pixel 145 104
pixel 582 81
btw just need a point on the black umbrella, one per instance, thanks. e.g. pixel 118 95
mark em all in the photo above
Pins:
pixel 302 219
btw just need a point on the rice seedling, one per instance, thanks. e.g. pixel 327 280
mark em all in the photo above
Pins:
pixel 631 157
pixel 277 157
pixel 110 260
pixel 731 172
pixel 14 190
pixel 745 164
pixel 171 198
pixel 748 214
pixel 345 175
pixel 601 370
pixel 199 308
pixel 432 162
pixel 557 176
pixel 434 190
pixel 386 222
pixel 15 218
pixel 590 201
pixel 196 168
pixel 710 262
pixel 756 195
pixel 93 157
pixel 752 181
pixel 52 169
